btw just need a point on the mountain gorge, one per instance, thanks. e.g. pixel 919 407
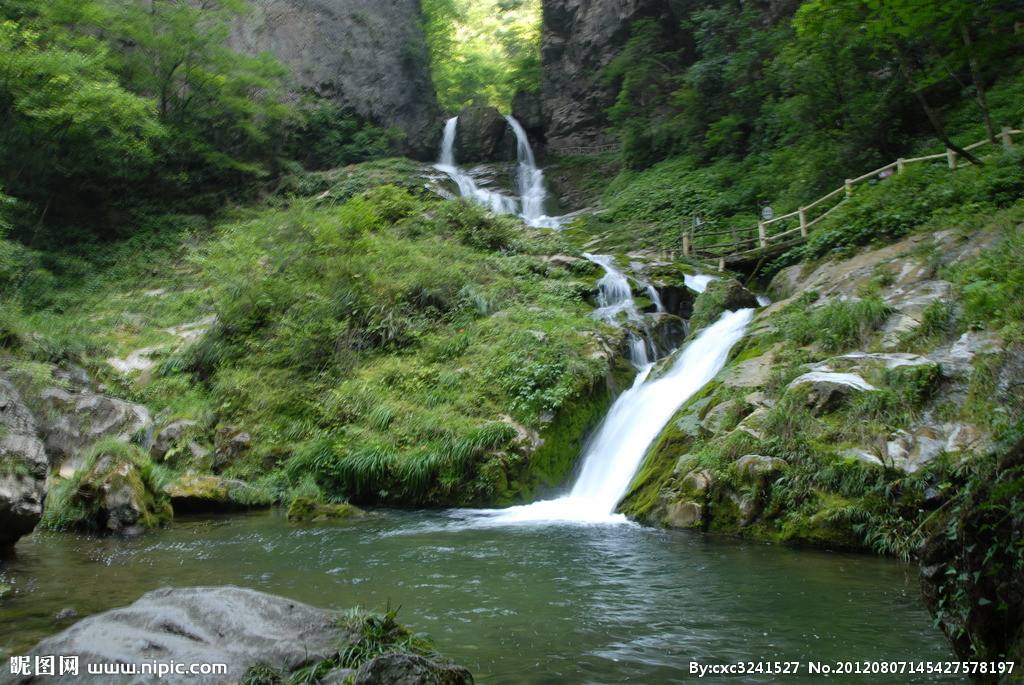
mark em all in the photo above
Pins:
pixel 434 301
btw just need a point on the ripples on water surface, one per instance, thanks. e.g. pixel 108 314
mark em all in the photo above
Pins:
pixel 535 604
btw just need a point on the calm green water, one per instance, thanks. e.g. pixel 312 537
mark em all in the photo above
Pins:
pixel 550 604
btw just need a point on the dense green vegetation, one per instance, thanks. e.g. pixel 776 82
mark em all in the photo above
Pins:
pixel 378 343
pixel 735 108
pixel 112 110
pixel 483 51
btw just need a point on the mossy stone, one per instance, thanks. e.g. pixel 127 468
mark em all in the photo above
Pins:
pixel 307 510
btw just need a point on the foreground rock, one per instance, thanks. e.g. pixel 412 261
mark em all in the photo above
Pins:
pixel 22 468
pixel 194 493
pixel 238 627
pixel 721 295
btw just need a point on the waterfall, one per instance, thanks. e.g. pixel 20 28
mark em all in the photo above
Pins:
pixel 529 179
pixel 468 188
pixel 615 299
pixel 631 426
pixel 533 193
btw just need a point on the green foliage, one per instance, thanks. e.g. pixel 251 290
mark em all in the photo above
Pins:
pixel 328 136
pixel 109 105
pixel 483 52
pixel 992 286
pixel 838 325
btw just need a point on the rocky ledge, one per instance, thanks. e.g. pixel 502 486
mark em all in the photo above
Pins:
pixel 258 637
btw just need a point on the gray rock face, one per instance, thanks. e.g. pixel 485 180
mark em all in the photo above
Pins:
pixel 72 421
pixel 484 136
pixel 528 109
pixel 580 38
pixel 409 669
pixel 23 466
pixel 365 55
pixel 169 436
pixel 225 625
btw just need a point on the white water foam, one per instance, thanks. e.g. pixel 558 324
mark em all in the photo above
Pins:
pixel 631 426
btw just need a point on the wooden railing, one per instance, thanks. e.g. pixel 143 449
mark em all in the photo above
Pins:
pixel 753 240
pixel 584 150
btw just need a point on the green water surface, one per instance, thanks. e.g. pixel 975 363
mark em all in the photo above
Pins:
pixel 537 604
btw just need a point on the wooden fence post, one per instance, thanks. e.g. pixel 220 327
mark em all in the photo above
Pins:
pixel 686 242
pixel 721 264
pixel 951 158
pixel 900 165
pixel 762 234
pixel 803 223
pixel 849 187
pixel 1007 137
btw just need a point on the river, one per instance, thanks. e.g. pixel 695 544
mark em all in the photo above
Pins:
pixel 546 603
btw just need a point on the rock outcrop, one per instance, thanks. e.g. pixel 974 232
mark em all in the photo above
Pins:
pixel 23 468
pixel 367 56
pixel 70 421
pixel 484 136
pixel 246 630
pixel 580 38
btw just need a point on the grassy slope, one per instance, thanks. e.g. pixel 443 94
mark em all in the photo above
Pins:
pixel 375 342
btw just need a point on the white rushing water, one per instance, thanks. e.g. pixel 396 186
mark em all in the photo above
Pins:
pixel 631 426
pixel 529 206
pixel 698 283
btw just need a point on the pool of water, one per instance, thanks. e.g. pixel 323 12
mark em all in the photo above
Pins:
pixel 533 604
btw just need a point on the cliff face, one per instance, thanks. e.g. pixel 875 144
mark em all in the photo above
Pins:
pixel 368 55
pixel 580 38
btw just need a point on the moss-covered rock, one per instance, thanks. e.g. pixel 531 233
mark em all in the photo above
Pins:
pixel 115 491
pixel 198 493
pixel 307 510
pixel 721 295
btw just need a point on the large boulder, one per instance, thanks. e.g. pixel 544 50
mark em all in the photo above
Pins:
pixel 367 56
pixel 721 295
pixel 528 109
pixel 827 390
pixel 484 136
pixel 251 633
pixel 23 467
pixel 71 421
pixel 194 493
pixel 214 625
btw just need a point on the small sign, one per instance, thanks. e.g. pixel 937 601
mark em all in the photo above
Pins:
pixel 767 213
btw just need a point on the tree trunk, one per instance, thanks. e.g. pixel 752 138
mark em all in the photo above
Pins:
pixel 933 117
pixel 979 88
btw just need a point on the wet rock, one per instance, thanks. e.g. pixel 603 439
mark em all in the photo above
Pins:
pixel 229 625
pixel 23 466
pixel 697 483
pixel 193 493
pixel 113 495
pixel 66 614
pixel 826 391
pixel 304 509
pixel 72 421
pixel 527 108
pixel 169 436
pixel 410 669
pixel 720 296
pixel 484 136
pixel 910 450
pixel 684 514
pixel 724 416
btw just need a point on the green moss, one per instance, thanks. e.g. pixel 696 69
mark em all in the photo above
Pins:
pixel 304 509
pixel 108 466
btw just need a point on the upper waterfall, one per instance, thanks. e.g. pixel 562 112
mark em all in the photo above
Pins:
pixel 529 206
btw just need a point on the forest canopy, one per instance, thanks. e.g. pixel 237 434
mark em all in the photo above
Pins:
pixel 483 51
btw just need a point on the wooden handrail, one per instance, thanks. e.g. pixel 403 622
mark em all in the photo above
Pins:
pixel 759 233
